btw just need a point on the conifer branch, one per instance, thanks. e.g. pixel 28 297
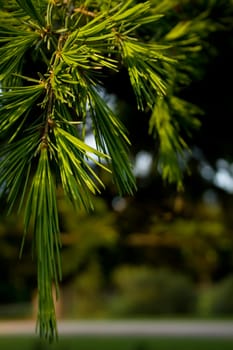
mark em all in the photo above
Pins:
pixel 40 117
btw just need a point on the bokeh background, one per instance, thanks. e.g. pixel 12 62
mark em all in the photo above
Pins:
pixel 162 253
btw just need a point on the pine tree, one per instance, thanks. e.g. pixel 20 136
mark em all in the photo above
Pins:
pixel 54 58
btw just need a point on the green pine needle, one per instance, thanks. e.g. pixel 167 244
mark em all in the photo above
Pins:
pixel 42 214
pixel 54 56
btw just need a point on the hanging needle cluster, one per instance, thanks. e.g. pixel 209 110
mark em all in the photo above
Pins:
pixel 46 108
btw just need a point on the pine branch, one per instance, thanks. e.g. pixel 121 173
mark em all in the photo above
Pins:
pixel 54 57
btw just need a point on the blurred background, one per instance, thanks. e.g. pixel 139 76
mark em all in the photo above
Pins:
pixel 161 253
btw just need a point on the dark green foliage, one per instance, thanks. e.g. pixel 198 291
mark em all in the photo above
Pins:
pixel 222 303
pixel 147 292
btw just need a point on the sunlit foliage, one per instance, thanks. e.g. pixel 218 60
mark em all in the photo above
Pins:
pixel 54 56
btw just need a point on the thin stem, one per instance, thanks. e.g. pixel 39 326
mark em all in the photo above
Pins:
pixel 84 11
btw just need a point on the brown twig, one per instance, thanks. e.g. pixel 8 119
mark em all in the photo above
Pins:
pixel 84 11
